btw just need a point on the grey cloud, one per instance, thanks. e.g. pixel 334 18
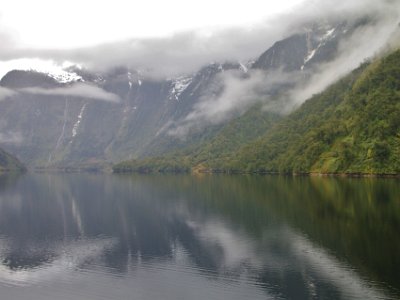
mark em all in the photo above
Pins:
pixel 164 57
pixel 186 52
pixel 76 90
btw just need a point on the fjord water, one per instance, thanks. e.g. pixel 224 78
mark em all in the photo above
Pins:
pixel 86 236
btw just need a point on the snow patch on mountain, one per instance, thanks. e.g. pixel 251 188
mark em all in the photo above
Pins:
pixel 310 56
pixel 65 77
pixel 63 73
pixel 179 85
pixel 328 35
pixel 78 122
pixel 243 67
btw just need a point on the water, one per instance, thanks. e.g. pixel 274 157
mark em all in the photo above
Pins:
pixel 81 236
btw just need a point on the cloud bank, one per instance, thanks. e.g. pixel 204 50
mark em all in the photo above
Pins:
pixel 185 52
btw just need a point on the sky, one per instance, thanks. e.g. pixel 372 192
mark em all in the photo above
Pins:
pixel 39 33
pixel 159 38
pixel 75 24
pixel 162 39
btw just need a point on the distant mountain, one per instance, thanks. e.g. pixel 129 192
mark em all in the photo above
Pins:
pixel 23 79
pixel 59 131
pixel 352 127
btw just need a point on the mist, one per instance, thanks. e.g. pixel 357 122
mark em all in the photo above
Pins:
pixel 359 48
pixel 79 90
pixel 238 94
pixel 14 138
pixel 186 52
pixel 6 93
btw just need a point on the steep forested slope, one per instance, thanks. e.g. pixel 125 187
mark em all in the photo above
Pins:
pixel 352 127
pixel 199 156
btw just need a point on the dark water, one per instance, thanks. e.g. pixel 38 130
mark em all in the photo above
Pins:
pixel 185 237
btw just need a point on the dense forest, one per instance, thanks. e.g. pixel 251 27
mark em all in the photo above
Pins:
pixel 353 127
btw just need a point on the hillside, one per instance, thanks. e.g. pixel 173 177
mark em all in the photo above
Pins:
pixel 352 127
pixel 216 150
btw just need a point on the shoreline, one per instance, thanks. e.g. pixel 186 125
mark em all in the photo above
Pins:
pixel 292 174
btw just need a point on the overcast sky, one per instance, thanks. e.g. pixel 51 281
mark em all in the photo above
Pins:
pixel 76 23
pixel 55 30
pixel 162 37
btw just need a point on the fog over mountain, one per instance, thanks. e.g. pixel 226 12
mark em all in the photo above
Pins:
pixel 185 52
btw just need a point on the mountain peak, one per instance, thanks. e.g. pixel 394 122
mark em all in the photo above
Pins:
pixel 22 79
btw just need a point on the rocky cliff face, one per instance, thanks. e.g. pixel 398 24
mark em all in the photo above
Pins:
pixel 316 43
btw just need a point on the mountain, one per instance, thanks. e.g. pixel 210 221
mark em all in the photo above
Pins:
pixel 352 127
pixel 314 44
pixel 58 130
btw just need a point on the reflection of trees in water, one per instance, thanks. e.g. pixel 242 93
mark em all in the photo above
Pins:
pixel 149 217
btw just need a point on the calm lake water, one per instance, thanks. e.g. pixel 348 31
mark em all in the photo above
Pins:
pixel 83 236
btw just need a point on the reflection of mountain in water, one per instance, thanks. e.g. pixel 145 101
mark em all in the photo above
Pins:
pixel 266 232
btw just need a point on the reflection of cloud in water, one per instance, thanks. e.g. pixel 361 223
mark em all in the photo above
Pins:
pixel 328 268
pixel 67 257
pixel 237 248
pixel 188 248
pixel 296 252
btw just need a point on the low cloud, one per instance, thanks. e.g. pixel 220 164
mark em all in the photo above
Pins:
pixel 80 90
pixel 6 93
pixel 14 138
pixel 238 93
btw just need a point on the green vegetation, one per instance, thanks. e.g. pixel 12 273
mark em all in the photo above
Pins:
pixel 215 151
pixel 9 163
pixel 353 127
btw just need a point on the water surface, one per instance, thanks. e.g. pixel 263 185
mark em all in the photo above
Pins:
pixel 83 236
